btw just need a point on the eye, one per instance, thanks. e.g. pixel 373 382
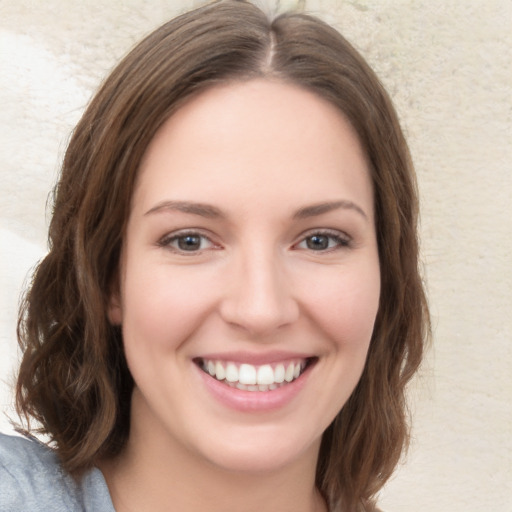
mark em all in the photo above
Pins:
pixel 186 242
pixel 323 241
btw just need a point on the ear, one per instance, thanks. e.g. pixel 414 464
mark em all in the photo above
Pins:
pixel 114 309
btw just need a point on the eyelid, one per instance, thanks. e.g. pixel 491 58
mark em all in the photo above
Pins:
pixel 166 240
pixel 342 237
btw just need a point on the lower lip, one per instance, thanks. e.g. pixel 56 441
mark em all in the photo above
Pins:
pixel 253 401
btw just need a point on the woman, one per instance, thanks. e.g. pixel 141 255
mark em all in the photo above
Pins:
pixel 230 308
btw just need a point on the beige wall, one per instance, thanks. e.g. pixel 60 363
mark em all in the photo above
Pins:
pixel 448 67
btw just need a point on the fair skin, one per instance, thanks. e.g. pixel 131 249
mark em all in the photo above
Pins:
pixel 250 256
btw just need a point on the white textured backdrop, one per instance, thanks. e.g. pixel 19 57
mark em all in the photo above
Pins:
pixel 448 66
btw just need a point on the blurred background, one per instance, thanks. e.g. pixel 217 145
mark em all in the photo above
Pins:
pixel 448 68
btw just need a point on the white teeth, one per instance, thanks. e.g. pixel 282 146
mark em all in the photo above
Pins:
pixel 265 375
pixel 247 374
pixel 248 377
pixel 258 387
pixel 231 373
pixel 220 373
pixel 279 374
pixel 290 370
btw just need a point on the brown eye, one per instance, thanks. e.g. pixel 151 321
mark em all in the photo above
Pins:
pixel 320 241
pixel 317 242
pixel 189 242
pixel 186 243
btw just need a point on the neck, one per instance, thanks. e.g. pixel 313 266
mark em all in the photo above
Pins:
pixel 156 473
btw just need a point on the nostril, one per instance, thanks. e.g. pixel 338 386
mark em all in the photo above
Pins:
pixel 259 316
pixel 258 299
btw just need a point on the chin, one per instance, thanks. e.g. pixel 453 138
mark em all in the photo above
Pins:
pixel 261 452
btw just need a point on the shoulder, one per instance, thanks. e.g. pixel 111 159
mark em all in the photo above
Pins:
pixel 20 453
pixel 31 478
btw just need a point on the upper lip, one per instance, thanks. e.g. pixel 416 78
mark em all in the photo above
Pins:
pixel 255 358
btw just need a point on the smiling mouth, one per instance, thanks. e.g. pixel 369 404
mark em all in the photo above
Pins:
pixel 248 377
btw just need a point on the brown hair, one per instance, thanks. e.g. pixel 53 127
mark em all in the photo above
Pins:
pixel 74 379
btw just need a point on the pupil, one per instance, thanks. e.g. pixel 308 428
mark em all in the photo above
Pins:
pixel 317 242
pixel 189 243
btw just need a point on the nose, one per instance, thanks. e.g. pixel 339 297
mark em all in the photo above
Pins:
pixel 259 297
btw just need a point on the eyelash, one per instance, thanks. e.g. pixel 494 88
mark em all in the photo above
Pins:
pixel 168 240
pixel 340 241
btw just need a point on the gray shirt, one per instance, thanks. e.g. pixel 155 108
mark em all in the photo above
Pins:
pixel 32 480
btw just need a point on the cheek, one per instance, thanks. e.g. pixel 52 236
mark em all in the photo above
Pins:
pixel 162 307
pixel 345 306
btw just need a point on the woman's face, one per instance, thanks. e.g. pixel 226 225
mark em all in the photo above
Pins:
pixel 249 276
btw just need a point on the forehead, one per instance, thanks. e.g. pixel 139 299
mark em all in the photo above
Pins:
pixel 258 138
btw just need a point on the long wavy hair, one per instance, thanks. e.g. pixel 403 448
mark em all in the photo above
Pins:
pixel 74 379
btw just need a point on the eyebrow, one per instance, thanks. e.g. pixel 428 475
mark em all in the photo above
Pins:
pixel 201 209
pixel 212 212
pixel 321 208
